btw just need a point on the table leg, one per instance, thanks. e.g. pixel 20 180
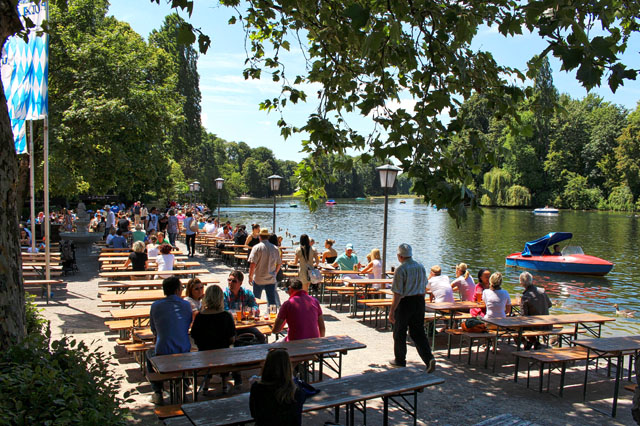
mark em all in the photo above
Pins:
pixel 495 349
pixel 195 385
pixel 586 374
pixel 385 411
pixel 448 335
pixel 515 375
pixel 616 389
pixel 519 342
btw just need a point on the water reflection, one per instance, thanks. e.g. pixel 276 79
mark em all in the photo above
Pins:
pixel 484 240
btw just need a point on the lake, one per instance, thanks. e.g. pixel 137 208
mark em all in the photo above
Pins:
pixel 483 240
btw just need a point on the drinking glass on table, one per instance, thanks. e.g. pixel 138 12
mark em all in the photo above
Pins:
pixel 247 312
pixel 273 310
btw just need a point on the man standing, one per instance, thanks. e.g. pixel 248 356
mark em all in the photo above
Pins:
pixel 170 319
pixel 303 314
pixel 407 310
pixel 152 224
pixel 265 263
pixel 439 286
pixel 534 301
pixel 111 220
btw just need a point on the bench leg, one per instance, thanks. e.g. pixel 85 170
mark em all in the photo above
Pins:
pixel 515 374
pixel 563 372
pixel 541 377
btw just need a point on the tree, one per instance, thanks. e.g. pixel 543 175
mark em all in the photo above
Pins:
pixel 184 61
pixel 628 153
pixel 12 326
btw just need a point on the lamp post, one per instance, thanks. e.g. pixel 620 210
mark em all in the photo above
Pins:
pixel 196 189
pixel 191 191
pixel 219 183
pixel 388 175
pixel 274 183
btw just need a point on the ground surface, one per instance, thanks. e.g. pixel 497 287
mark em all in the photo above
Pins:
pixel 470 394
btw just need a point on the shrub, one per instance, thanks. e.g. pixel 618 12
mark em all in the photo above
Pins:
pixel 577 195
pixel 35 323
pixel 64 382
pixel 621 199
pixel 518 196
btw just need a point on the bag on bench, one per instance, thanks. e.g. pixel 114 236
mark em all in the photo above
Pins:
pixel 474 325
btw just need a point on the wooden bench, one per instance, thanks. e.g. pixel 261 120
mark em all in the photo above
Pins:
pixel 168 411
pixel 43 284
pixel 397 386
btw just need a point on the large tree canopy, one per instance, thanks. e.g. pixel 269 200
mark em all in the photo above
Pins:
pixel 368 55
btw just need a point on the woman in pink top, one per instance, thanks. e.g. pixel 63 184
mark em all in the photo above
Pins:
pixel 483 283
pixel 464 283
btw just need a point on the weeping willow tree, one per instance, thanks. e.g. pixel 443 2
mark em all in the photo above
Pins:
pixel 518 196
pixel 496 182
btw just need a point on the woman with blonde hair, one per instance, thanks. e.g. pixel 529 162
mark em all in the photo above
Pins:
pixel 497 300
pixel 275 400
pixel 137 259
pixel 213 328
pixel 464 283
pixel 374 267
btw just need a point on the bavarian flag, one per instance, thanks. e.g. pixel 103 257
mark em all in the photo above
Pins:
pixel 25 70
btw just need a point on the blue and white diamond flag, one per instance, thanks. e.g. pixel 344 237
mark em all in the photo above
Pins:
pixel 25 70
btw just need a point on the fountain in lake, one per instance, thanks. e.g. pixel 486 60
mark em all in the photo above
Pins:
pixel 81 237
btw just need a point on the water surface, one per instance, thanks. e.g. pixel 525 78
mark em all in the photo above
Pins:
pixel 483 240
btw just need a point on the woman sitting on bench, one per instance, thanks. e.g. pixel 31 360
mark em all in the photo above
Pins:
pixel 275 400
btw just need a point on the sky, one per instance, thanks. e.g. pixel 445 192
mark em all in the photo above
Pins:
pixel 230 104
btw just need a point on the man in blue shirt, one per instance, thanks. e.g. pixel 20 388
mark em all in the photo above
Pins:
pixel 236 297
pixel 119 241
pixel 169 320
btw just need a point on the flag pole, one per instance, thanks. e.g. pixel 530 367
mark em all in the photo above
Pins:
pixel 47 236
pixel 32 190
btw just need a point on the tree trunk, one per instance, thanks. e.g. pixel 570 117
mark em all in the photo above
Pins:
pixel 12 325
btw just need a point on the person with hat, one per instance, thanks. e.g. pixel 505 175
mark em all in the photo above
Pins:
pixel 265 262
pixel 407 309
pixel 348 261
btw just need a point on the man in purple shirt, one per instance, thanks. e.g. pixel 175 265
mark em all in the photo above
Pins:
pixel 303 314
pixel 170 319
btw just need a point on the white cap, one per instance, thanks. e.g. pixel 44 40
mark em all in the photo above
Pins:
pixel 405 250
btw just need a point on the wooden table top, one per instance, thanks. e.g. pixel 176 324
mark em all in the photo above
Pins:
pixel 455 306
pixel 144 311
pixel 152 283
pixel 340 272
pixel 368 281
pixel 610 344
pixel 118 259
pixel 146 334
pixel 153 266
pixel 346 390
pixel 120 274
pixel 539 320
pixel 252 355
pixel 125 252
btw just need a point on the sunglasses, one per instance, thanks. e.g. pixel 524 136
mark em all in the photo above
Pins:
pixel 232 280
pixel 198 288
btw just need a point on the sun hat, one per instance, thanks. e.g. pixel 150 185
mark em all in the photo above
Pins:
pixel 265 232
pixel 405 250
pixel 349 247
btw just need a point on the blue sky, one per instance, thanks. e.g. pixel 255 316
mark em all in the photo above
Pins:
pixel 230 103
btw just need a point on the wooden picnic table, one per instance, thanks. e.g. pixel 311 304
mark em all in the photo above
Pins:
pixel 399 386
pixel 123 286
pixel 609 347
pixel 125 252
pixel 249 357
pixel 143 312
pixel 362 285
pixel 122 259
pixel 125 274
pixel 519 323
pixel 153 266
pixel 146 334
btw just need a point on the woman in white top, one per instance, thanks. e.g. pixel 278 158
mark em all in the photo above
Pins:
pixel 165 260
pixel 307 258
pixel 195 293
pixel 374 267
pixel 464 283
pixel 497 301
pixel 153 248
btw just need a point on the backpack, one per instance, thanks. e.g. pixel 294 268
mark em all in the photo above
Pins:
pixel 474 325
pixel 193 225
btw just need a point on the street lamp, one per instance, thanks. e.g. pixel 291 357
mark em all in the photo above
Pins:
pixel 191 189
pixel 219 183
pixel 274 183
pixel 388 175
pixel 196 189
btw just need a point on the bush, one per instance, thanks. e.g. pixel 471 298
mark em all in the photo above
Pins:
pixel 59 383
pixel 35 323
pixel 621 199
pixel 518 196
pixel 577 195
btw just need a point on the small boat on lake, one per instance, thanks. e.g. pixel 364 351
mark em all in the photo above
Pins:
pixel 361 199
pixel 546 210
pixel 330 202
pixel 537 256
pixel 294 205
pixel 403 202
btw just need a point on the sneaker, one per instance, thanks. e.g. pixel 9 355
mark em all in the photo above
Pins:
pixel 431 367
pixel 157 399
pixel 397 364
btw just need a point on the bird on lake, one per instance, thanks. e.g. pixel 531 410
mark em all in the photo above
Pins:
pixel 624 312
